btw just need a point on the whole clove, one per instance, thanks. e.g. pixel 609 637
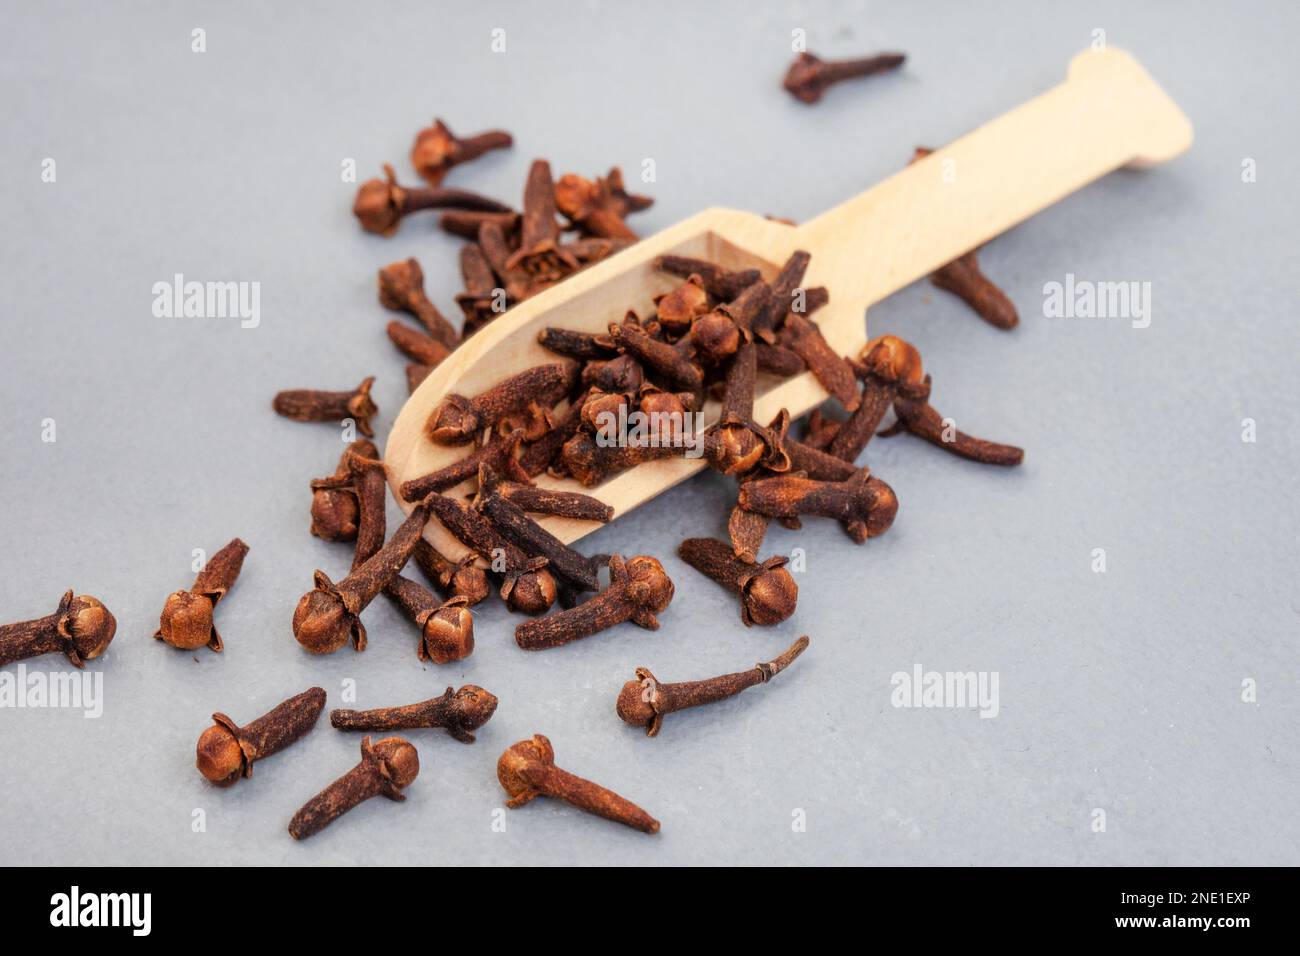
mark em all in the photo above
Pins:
pixel 313 405
pixel 459 712
pixel 590 462
pixel 866 506
pixel 599 207
pixel 437 149
pixel 539 252
pixel 676 368
pixel 538 455
pixel 768 593
pixel 722 284
pixel 416 346
pixel 498 455
pixel 918 416
pixel 458 418
pixel 527 770
pixel 461 578
pixel 889 367
pixel 576 345
pixel 334 508
pixel 386 768
pixel 533 539
pixel 809 75
pixel 645 702
pixel 381 203
pixel 80 629
pixel 479 301
pixel 226 752
pixel 779 360
pixel 467 222
pixel 446 627
pixel 186 620
pixel 545 501
pixel 416 373
pixel 328 615
pixel 679 308
pixel 834 373
pixel 638 591
pixel 783 287
pixel 401 289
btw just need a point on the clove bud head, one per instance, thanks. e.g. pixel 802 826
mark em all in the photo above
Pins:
pixel 454 422
pixel 399 760
pixel 890 358
pixel 715 337
pixel 321 622
pixel 448 633
pixel 633 703
pixel 520 761
pixel 378 206
pixel 186 620
pixel 471 707
pixel 219 757
pixel 769 594
pixel 532 592
pixel 649 586
pixel 86 627
pixel 334 514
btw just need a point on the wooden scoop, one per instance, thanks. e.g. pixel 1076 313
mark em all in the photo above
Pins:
pixel 1107 114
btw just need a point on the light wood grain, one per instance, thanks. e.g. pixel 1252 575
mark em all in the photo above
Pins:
pixel 1107 114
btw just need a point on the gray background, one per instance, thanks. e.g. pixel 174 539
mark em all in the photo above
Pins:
pixel 1119 691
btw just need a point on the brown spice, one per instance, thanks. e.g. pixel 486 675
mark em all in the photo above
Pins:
pixel 539 252
pixel 458 418
pixel 784 287
pixel 638 590
pixel 386 768
pixel 460 578
pixel 466 223
pixel 458 712
pixel 866 506
pixel 645 702
pixel 544 501
pixel 722 284
pixel 381 203
pixel 499 455
pixel 527 770
pixel 889 367
pixel 401 289
pixel 767 591
pixel 416 373
pixel 186 620
pixel 313 405
pixel 437 149
pixel 415 345
pixel 226 752
pixel 80 629
pixel 682 306
pixel 599 207
pixel 809 75
pixel 918 416
pixel 779 360
pixel 676 368
pixel 591 462
pixel 479 301
pixel 334 508
pixel 577 345
pixel 538 455
pixel 329 615
pixel 834 373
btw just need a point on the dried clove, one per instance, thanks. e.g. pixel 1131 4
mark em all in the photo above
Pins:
pixel 527 586
pixel 498 455
pixel 446 627
pixel 645 702
pixel 541 453
pixel 577 345
pixel 676 368
pixel 328 615
pixel 312 405
pixel 518 284
pixel 401 289
pixel 835 374
pixel 416 373
pixel 539 252
pixel 80 629
pixel 479 300
pixel 458 418
pixel 779 360
pixel 386 768
pixel 437 149
pixel 809 75
pixel 544 501
pixel 784 287
pixel 226 752
pixel 591 462
pixel 415 345
pixel 917 415
pixel 186 620
pixel 458 712
pixel 720 283
pixel 889 367
pixel 527 770
pixel 638 590
pixel 599 207
pixel 334 508
pixel 381 203
pixel 767 591
pixel 461 578
pixel 510 519
pixel 866 506
pixel 467 222
pixel 679 308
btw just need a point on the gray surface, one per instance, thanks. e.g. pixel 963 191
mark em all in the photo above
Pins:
pixel 1119 691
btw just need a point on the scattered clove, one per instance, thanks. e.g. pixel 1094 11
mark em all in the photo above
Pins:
pixel 462 578
pixel 889 367
pixel 437 149
pixel 446 627
pixel 416 346
pixel 458 712
pixel 802 336
pixel 334 508
pixel 226 752
pixel 80 629
pixel 386 768
pixel 186 620
pixel 638 590
pixel 539 253
pixel 809 75
pixel 917 415
pixel 312 405
pixel 328 615
pixel 767 591
pixel 467 222
pixel 866 506
pixel 599 208
pixel 527 770
pixel 401 289
pixel 381 203
pixel 534 540
pixel 645 702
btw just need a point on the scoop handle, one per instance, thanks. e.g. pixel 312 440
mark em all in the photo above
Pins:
pixel 1108 113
